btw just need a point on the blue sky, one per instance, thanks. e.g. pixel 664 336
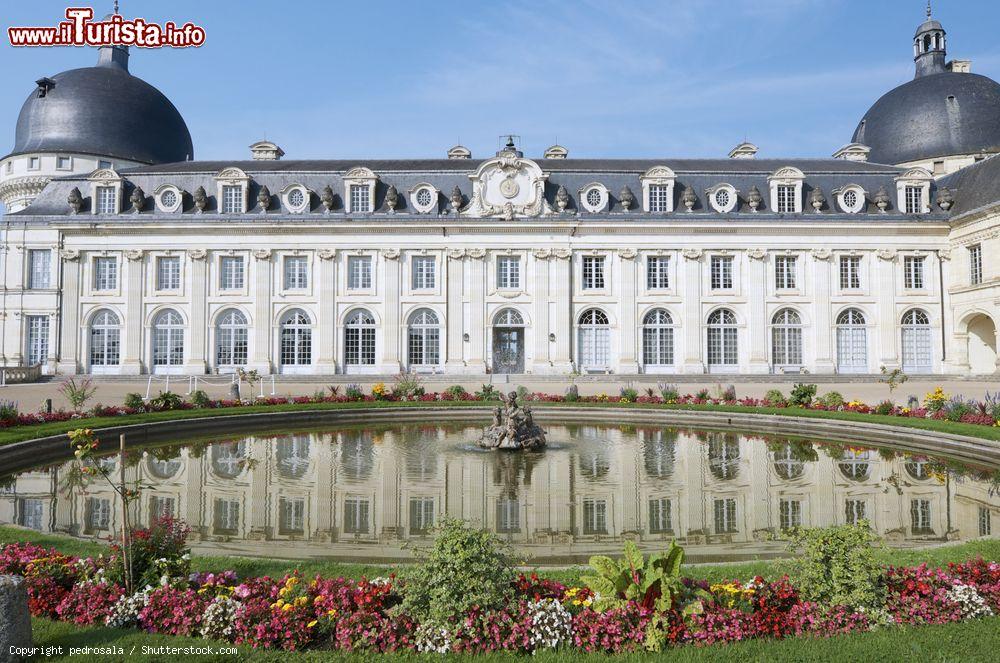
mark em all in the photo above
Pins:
pixel 329 79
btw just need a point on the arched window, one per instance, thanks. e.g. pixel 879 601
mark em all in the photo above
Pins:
pixel 163 468
pixel 296 339
pixel 916 342
pixel 919 469
pixel 855 464
pixel 787 464
pixel 658 453
pixel 359 339
pixel 357 454
pixel 724 455
pixel 424 338
pixel 594 340
pixel 168 340
pixel 594 464
pixel 852 342
pixel 658 338
pixel 294 453
pixel 231 339
pixel 786 338
pixel 508 318
pixel 722 340
pixel 105 340
pixel 229 458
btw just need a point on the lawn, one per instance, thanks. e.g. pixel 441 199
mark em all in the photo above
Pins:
pixel 21 433
pixel 968 642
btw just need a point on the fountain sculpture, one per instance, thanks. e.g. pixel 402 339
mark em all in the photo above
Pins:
pixel 513 428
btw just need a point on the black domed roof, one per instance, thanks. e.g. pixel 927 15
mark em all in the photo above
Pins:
pixel 104 111
pixel 933 116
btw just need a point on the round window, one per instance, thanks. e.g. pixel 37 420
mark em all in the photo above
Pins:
pixel 168 198
pixel 296 198
pixel 594 198
pixel 424 198
pixel 722 199
pixel 850 199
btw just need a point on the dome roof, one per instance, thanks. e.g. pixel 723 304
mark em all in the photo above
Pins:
pixel 104 111
pixel 933 116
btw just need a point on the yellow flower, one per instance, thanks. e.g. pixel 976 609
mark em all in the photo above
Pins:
pixel 331 612
pixel 287 607
pixel 311 624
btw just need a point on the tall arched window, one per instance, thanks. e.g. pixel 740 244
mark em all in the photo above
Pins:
pixel 508 317
pixel 658 338
pixel 424 338
pixel 916 342
pixel 723 353
pixel 855 464
pixel 359 339
pixel 168 340
pixel 594 340
pixel 296 339
pixel 231 339
pixel 787 464
pixel 852 342
pixel 724 455
pixel 105 341
pixel 786 338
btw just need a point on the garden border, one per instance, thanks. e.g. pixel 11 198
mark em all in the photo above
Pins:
pixel 19 456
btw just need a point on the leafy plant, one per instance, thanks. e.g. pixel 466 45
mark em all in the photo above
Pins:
pixel 407 386
pixel 893 378
pixel 334 389
pixel 629 395
pixel 669 392
pixel 885 407
pixel 802 394
pixel 134 401
pixel 956 408
pixel 488 393
pixel 729 393
pixel 200 399
pixel 77 393
pixel 522 393
pixel 831 399
pixel 464 568
pixel 702 394
pixel 167 400
pixel 8 411
pixel 837 565
pixel 354 392
pixel 572 394
pixel 456 391
pixel 775 397
pixel 652 582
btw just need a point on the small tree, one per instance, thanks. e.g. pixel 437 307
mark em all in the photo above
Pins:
pixel 251 377
pixel 77 393
pixel 893 378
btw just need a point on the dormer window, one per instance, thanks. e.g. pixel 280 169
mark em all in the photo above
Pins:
pixel 106 203
pixel 658 190
pixel 424 198
pixel 722 197
pixel 851 198
pixel 594 198
pixel 232 186
pixel 168 198
pixel 296 197
pixel 359 190
pixel 786 190
pixel 913 191
pixel 105 192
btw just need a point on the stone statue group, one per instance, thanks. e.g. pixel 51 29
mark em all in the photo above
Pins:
pixel 513 428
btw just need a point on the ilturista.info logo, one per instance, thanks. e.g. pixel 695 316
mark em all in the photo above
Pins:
pixel 79 29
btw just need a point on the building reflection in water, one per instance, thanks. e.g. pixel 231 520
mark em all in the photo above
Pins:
pixel 362 494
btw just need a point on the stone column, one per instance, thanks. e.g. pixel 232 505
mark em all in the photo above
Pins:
pixel 391 324
pixel 132 361
pixel 692 321
pixel 326 361
pixel 540 325
pixel 15 619
pixel 260 358
pixel 477 296
pixel 825 335
pixel 561 310
pixel 198 327
pixel 627 327
pixel 69 327
pixel 454 318
pixel 756 311
pixel 885 302
pixel 956 342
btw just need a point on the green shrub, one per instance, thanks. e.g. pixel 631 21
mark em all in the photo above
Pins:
pixel 465 567
pixel 456 391
pixel 630 395
pixel 406 386
pixel 488 393
pixel 885 407
pixel 831 399
pixel 8 411
pixel 729 393
pixel 572 394
pixel 200 399
pixel 354 392
pixel 802 394
pixel 334 390
pixel 134 401
pixel 775 397
pixel 837 565
pixel 167 400
pixel 522 393
pixel 669 393
pixel 77 393
pixel 701 394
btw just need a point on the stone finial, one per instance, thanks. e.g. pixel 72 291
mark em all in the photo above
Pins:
pixel 689 198
pixel 456 198
pixel 882 199
pixel 626 198
pixel 15 619
pixel 562 198
pixel 264 199
pixel 391 198
pixel 200 199
pixel 754 199
pixel 945 199
pixel 817 199
pixel 138 199
pixel 75 200
pixel 326 197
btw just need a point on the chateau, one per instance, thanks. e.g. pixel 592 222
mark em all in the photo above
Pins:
pixel 122 254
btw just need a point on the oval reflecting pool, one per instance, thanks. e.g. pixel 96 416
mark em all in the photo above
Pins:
pixel 367 494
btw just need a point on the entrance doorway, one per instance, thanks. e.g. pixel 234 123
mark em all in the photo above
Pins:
pixel 982 345
pixel 508 342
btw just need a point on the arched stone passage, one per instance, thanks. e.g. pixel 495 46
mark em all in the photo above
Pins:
pixel 982 345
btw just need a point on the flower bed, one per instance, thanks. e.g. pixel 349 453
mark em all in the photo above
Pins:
pixel 295 612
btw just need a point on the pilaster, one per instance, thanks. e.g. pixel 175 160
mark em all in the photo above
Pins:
pixel 823 339
pixel 326 361
pixel 540 325
pixel 198 327
pixel 757 311
pixel 135 264
pixel 69 328
pixel 627 329
pixel 885 303
pixel 693 362
pixel 561 310
pixel 391 324
pixel 260 358
pixel 454 282
pixel 477 297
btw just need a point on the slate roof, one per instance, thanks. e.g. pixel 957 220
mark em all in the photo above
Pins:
pixel 974 187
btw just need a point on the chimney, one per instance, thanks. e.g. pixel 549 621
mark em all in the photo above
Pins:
pixel 265 150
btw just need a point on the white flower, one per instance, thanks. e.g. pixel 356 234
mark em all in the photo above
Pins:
pixel 969 600
pixel 551 624
pixel 217 622
pixel 125 612
pixel 433 638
